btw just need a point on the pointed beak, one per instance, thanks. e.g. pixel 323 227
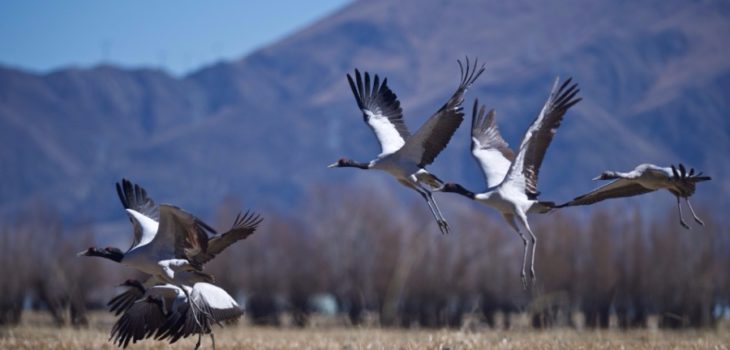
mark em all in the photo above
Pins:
pixel 597 178
pixel 84 252
pixel 333 165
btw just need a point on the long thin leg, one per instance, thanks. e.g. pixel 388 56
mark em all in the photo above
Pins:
pixel 427 181
pixel 511 221
pixel 197 345
pixel 681 219
pixel 426 194
pixel 693 213
pixel 443 225
pixel 433 200
pixel 533 239
pixel 212 339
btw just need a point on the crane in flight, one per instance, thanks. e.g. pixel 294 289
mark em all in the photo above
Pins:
pixel 511 180
pixel 646 178
pixel 405 156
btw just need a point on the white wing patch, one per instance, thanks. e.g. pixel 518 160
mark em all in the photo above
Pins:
pixel 493 163
pixel 149 226
pixel 214 296
pixel 389 138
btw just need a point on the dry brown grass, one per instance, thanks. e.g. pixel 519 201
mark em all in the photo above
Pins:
pixel 37 335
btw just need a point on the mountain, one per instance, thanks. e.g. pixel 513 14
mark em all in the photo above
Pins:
pixel 654 75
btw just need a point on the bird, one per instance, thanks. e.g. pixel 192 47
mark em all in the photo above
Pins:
pixel 511 180
pixel 405 156
pixel 168 240
pixel 646 178
pixel 170 312
pixel 149 223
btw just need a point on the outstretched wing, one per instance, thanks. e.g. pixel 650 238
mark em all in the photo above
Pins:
pixel 134 292
pixel 180 233
pixel 244 226
pixel 140 321
pixel 488 147
pixel 135 197
pixel 434 135
pixel 125 300
pixel 381 111
pixel 615 189
pixel 524 170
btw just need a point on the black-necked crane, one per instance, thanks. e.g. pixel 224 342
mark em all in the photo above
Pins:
pixel 169 312
pixel 646 178
pixel 405 156
pixel 167 239
pixel 512 180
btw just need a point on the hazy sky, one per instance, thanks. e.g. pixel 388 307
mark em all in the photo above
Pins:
pixel 179 35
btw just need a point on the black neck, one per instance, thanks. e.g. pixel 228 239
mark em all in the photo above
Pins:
pixel 354 164
pixel 456 188
pixel 108 253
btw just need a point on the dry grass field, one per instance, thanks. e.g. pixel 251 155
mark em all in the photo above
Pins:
pixel 37 334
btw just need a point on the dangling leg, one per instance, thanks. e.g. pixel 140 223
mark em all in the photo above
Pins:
pixel 693 213
pixel 511 221
pixel 533 239
pixel 212 339
pixel 425 194
pixel 197 345
pixel 443 225
pixel 423 178
pixel 681 219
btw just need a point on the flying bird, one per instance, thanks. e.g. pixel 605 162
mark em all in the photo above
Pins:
pixel 511 180
pixel 646 178
pixel 161 234
pixel 405 156
pixel 168 240
pixel 169 312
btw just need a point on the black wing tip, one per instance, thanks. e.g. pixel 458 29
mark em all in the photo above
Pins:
pixel 366 90
pixel 566 94
pixel 680 172
pixel 469 76
pixel 474 114
pixel 481 118
pixel 353 87
pixel 249 219
pixel 126 192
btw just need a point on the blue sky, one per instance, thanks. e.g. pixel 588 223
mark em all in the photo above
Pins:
pixel 179 36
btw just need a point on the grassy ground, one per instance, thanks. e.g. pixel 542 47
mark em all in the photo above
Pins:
pixel 41 335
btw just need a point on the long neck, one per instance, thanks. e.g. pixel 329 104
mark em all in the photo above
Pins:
pixel 354 164
pixel 111 254
pixel 460 190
